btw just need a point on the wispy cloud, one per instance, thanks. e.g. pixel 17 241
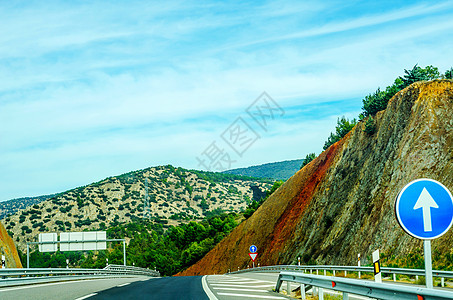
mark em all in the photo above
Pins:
pixel 94 89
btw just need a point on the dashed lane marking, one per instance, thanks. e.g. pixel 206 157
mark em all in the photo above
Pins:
pixel 124 284
pixel 87 296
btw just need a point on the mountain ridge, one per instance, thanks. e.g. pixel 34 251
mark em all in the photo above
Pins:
pixel 281 170
pixel 175 195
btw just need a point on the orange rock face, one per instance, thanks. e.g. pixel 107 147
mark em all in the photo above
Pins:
pixel 8 249
pixel 342 203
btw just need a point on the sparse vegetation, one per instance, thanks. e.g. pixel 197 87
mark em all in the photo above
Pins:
pixel 308 158
pixel 342 128
pixel 119 200
pixel 378 100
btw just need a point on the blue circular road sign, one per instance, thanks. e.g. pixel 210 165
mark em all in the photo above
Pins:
pixel 424 209
pixel 253 249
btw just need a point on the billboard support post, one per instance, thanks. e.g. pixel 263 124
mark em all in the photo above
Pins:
pixel 124 252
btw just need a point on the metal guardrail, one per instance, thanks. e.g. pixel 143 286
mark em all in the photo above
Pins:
pixel 24 275
pixel 311 269
pixel 133 270
pixel 361 287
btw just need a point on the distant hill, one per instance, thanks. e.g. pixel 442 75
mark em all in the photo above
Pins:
pixel 10 207
pixel 176 195
pixel 278 170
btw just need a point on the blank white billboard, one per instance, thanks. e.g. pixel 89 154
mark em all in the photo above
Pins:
pixel 48 237
pixel 83 241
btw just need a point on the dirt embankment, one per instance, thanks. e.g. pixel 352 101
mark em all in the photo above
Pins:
pixel 342 203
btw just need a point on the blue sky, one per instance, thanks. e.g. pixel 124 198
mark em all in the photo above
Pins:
pixel 91 89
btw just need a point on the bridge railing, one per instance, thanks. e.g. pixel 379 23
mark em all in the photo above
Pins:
pixel 359 287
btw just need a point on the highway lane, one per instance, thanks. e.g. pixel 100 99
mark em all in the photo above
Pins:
pixel 166 288
pixel 65 290
pixel 213 287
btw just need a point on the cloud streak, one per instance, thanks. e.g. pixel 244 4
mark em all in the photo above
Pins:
pixel 92 90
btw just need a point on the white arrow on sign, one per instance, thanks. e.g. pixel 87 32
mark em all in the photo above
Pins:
pixel 425 202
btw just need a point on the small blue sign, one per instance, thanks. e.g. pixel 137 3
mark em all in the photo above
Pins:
pixel 253 249
pixel 424 209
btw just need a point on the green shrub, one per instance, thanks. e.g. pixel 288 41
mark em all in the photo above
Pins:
pixel 342 128
pixel 370 126
pixel 308 158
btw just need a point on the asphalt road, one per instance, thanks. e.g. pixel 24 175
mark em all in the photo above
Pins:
pixel 213 287
pixel 167 288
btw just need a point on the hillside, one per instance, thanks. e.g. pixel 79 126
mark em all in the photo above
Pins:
pixel 176 195
pixel 10 207
pixel 278 170
pixel 8 249
pixel 342 203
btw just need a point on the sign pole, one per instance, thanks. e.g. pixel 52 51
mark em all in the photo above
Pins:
pixel 428 264
pixel 28 256
pixel 124 251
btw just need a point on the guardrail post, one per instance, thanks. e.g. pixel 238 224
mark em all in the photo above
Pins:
pixel 325 272
pixel 442 283
pixel 394 276
pixel 288 288
pixel 317 272
pixel 334 273
pixel 302 291
pixel 345 296
pixel 345 273
pixel 320 294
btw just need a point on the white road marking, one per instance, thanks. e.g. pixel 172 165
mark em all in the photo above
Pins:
pixel 240 290
pixel 240 280
pixel 251 296
pixel 207 290
pixel 87 296
pixel 238 285
pixel 124 284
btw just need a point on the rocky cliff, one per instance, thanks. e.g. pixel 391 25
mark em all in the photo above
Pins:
pixel 8 249
pixel 342 203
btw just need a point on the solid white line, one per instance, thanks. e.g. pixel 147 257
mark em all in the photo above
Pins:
pixel 124 284
pixel 251 296
pixel 206 289
pixel 87 296
pixel 241 280
pixel 240 290
pixel 237 285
